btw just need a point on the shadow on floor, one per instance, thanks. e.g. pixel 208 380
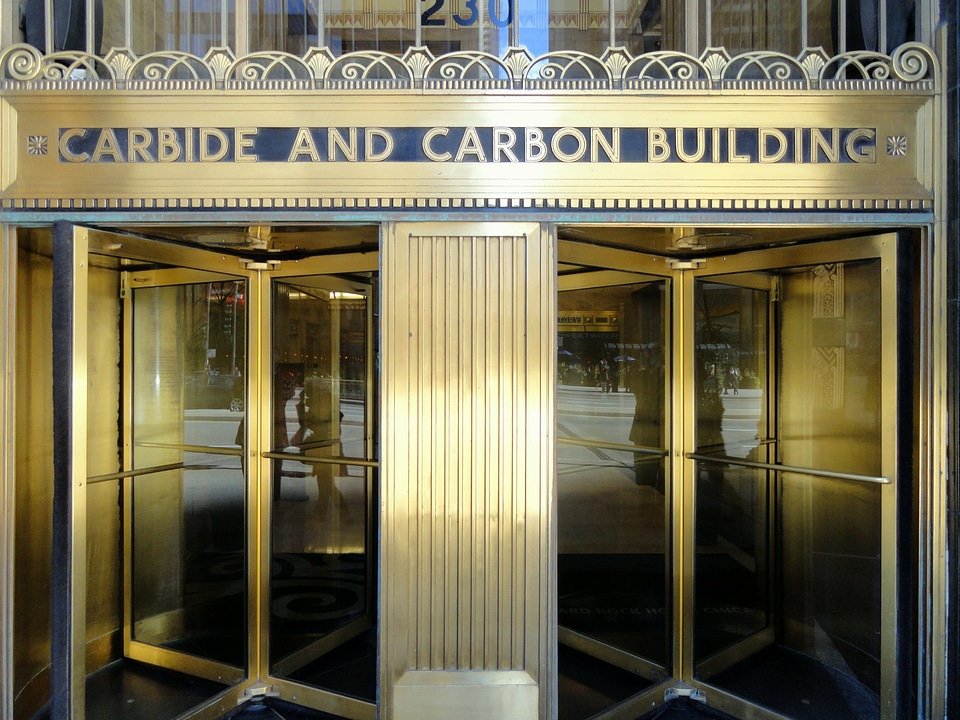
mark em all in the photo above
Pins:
pixel 128 690
pixel 685 709
pixel 272 709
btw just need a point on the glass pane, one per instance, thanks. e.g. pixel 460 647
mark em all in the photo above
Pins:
pixel 732 567
pixel 555 25
pixel 863 26
pixel 283 25
pixel 731 360
pixel 826 662
pixel 640 25
pixel 746 25
pixel 831 543
pixel 612 569
pixel 476 25
pixel 322 630
pixel 192 26
pixel 385 25
pixel 110 15
pixel 188 520
pixel 732 564
pixel 320 370
pixel 738 25
pixel 830 355
pixel 295 26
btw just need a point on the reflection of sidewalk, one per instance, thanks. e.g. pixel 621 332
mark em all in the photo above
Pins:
pixel 212 414
pixel 745 404
pixel 577 400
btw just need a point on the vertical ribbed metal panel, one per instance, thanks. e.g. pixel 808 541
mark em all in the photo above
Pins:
pixel 467 449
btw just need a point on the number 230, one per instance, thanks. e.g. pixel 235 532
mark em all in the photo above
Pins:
pixel 427 19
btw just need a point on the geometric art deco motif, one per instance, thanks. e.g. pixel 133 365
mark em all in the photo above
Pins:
pixel 828 361
pixel 828 291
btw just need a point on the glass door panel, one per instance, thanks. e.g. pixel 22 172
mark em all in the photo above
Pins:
pixel 732 533
pixel 832 418
pixel 188 500
pixel 614 581
pixel 323 479
pixel 798 508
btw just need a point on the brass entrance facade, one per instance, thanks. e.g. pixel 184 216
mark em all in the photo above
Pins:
pixel 489 459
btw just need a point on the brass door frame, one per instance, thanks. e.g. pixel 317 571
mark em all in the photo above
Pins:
pixel 194 266
pixel 609 265
pixel 68 627
pixel 755 280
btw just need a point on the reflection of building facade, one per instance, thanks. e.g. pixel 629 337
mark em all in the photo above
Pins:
pixel 304 310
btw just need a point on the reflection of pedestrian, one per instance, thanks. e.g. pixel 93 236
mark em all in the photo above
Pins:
pixel 710 478
pixel 731 381
pixel 319 437
pixel 645 379
pixel 603 375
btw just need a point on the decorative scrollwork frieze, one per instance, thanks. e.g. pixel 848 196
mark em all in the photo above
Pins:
pixel 777 69
pixel 370 70
pixel 565 68
pixel 468 70
pixel 659 68
pixel 912 66
pixel 912 62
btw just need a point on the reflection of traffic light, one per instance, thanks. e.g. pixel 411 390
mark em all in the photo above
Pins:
pixel 69 25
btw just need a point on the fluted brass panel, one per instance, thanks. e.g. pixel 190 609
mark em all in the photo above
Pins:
pixel 467 467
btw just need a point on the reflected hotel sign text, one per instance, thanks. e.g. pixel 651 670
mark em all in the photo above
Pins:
pixel 468 144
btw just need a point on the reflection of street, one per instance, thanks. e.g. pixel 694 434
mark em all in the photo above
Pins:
pixel 588 413
pixel 602 509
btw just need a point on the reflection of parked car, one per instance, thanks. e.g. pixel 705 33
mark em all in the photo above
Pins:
pixel 210 389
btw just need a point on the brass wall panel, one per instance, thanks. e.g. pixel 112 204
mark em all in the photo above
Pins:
pixel 33 475
pixel 468 469
pixel 33 480
pixel 8 335
pixel 103 448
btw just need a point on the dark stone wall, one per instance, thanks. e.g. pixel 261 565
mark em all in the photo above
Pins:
pixel 951 15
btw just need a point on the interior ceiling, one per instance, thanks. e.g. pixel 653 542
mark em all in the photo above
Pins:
pixel 686 241
pixel 676 241
pixel 247 240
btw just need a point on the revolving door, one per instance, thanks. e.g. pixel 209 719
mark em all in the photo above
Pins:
pixel 731 462
pixel 242 456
